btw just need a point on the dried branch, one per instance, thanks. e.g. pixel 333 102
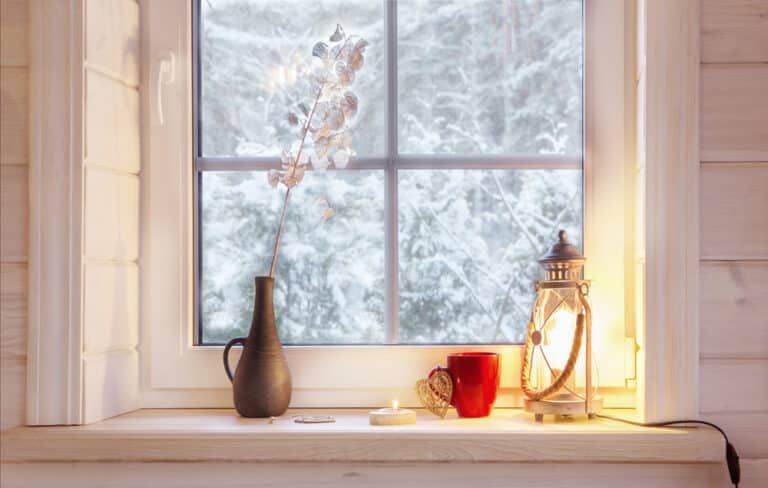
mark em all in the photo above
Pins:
pixel 513 214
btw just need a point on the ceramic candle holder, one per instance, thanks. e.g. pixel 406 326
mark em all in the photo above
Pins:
pixel 392 416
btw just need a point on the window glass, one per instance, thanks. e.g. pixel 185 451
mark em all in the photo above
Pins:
pixel 254 56
pixel 489 77
pixel 329 286
pixel 474 78
pixel 468 245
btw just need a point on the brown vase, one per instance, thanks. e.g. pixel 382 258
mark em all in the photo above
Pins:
pixel 262 380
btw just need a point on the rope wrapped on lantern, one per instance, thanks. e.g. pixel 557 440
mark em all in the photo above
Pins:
pixel 560 329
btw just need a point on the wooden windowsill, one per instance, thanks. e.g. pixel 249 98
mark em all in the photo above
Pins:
pixel 509 435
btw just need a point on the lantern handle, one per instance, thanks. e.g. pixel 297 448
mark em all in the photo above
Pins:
pixel 557 384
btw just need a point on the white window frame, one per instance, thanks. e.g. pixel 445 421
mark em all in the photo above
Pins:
pixel 176 372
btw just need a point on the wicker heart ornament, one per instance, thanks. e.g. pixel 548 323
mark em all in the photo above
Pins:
pixel 435 392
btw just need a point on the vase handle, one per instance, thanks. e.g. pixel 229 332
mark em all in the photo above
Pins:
pixel 229 345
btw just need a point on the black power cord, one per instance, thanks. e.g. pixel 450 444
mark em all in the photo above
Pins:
pixel 731 456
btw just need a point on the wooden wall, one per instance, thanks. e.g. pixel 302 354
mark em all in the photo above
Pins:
pixel 14 207
pixel 734 221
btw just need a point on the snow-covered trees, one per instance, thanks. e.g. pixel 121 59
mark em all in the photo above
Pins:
pixel 475 77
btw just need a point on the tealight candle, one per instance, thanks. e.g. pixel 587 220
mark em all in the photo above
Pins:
pixel 392 416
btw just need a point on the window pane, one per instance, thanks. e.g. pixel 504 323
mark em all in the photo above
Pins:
pixel 490 76
pixel 330 276
pixel 468 245
pixel 252 55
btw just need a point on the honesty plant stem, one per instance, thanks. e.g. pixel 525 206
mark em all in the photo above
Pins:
pixel 279 234
pixel 280 226
pixel 311 114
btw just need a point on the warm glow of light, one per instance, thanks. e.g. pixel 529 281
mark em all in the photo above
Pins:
pixel 394 404
pixel 559 337
pixel 280 77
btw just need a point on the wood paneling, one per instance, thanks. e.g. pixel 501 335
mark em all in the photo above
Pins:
pixel 111 123
pixel 14 213
pixel 734 309
pixel 347 475
pixel 13 310
pixel 734 219
pixel 734 226
pixel 734 31
pixel 112 38
pixel 734 112
pixel 111 307
pixel 747 431
pixel 13 375
pixel 14 32
pixel 734 385
pixel 14 121
pixel 111 215
pixel 13 343
pixel 14 209
pixel 110 384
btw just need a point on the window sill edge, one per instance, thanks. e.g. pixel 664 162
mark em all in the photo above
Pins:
pixel 509 435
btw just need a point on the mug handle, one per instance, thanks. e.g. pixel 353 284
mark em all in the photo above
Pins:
pixel 441 368
pixel 236 340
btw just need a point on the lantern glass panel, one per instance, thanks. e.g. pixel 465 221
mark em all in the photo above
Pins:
pixel 556 315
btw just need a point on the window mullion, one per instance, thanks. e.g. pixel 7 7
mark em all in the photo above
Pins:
pixel 391 312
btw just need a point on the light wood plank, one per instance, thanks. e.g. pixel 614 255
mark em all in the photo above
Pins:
pixel 112 38
pixel 219 435
pixel 754 474
pixel 734 31
pixel 346 475
pixel 13 375
pixel 747 431
pixel 13 311
pixel 734 112
pixel 54 395
pixel 734 210
pixel 734 309
pixel 111 123
pixel 14 214
pixel 111 215
pixel 734 385
pixel 110 384
pixel 14 121
pixel 14 33
pixel 668 360
pixel 111 307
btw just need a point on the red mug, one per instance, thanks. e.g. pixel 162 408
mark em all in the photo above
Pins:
pixel 475 377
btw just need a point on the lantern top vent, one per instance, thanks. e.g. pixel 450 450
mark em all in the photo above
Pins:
pixel 563 261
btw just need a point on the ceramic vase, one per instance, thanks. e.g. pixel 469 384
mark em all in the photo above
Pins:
pixel 262 381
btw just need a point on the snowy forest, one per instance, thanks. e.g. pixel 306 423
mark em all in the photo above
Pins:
pixel 474 78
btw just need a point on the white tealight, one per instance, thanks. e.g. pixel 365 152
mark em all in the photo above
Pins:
pixel 392 416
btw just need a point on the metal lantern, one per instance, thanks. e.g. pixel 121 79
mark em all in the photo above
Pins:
pixel 559 339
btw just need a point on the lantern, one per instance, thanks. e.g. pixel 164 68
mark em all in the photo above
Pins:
pixel 559 339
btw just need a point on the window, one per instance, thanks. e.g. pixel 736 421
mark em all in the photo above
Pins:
pixel 468 160
pixel 397 339
pixel 176 372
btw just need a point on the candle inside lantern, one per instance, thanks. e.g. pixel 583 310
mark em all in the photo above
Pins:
pixel 392 416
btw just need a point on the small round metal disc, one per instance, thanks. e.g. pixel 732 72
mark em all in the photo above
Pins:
pixel 536 337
